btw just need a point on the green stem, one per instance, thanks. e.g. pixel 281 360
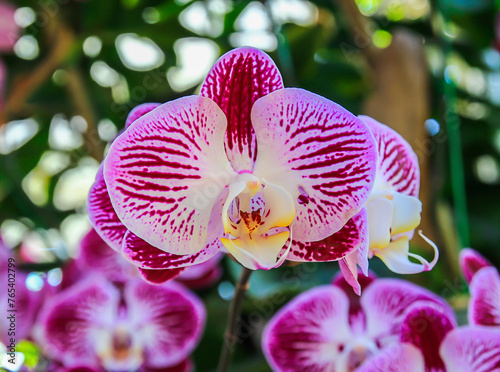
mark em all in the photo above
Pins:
pixel 231 335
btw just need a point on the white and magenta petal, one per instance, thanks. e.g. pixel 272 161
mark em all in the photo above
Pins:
pixel 484 304
pixel 74 320
pixel 309 333
pixel 386 302
pixel 139 111
pixel 159 276
pixel 96 255
pixel 471 349
pixel 425 327
pixel 471 261
pixel 144 255
pixel 395 358
pixel 320 153
pixel 166 172
pixel 397 163
pixel 235 82
pixel 169 321
pixel 102 214
pixel 204 274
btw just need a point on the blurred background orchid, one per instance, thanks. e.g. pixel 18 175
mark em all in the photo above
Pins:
pixel 75 74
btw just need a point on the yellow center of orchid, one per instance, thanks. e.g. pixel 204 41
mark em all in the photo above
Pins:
pixel 256 218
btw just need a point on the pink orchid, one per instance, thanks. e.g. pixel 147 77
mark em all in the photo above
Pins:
pixel 133 326
pixel 431 343
pixel 328 328
pixel 248 166
pixel 484 304
pixel 9 30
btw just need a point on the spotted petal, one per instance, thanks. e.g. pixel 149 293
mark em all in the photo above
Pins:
pixel 166 171
pixel 96 255
pixel 395 358
pixel 484 305
pixel 397 163
pixel 144 255
pixel 309 332
pixel 235 82
pixel 74 319
pixel 471 349
pixel 169 321
pixel 471 262
pixel 320 153
pixel 425 327
pixel 159 276
pixel 386 302
pixel 102 214
pixel 139 111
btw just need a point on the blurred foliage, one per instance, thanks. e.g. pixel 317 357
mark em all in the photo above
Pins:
pixel 322 57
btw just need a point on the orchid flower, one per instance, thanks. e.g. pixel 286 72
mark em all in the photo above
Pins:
pixel 135 326
pixel 248 166
pixel 328 328
pixel 393 206
pixel 484 304
pixel 431 343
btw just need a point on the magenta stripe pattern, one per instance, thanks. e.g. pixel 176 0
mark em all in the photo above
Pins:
pixel 236 81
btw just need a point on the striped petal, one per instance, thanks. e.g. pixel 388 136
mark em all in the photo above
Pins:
pixel 235 82
pixel 165 173
pixel 425 327
pixel 159 276
pixel 395 358
pixel 96 255
pixel 352 236
pixel 169 321
pixel 470 349
pixel 471 262
pixel 397 163
pixel 74 320
pixel 309 333
pixel 102 215
pixel 484 305
pixel 320 153
pixel 139 111
pixel 144 255
pixel 386 302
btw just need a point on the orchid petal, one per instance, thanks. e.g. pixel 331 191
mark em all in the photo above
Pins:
pixel 317 151
pixel 235 82
pixel 102 214
pixel 348 240
pixel 308 332
pixel 471 349
pixel 380 211
pixel 397 163
pixel 386 302
pixel 471 262
pixel 395 358
pixel 425 327
pixel 484 305
pixel 202 275
pixel 166 172
pixel 159 276
pixel 96 255
pixel 168 318
pixel 144 255
pixel 396 257
pixel 185 366
pixel 139 111
pixel 74 320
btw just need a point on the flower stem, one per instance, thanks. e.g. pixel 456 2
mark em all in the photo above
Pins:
pixel 231 336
